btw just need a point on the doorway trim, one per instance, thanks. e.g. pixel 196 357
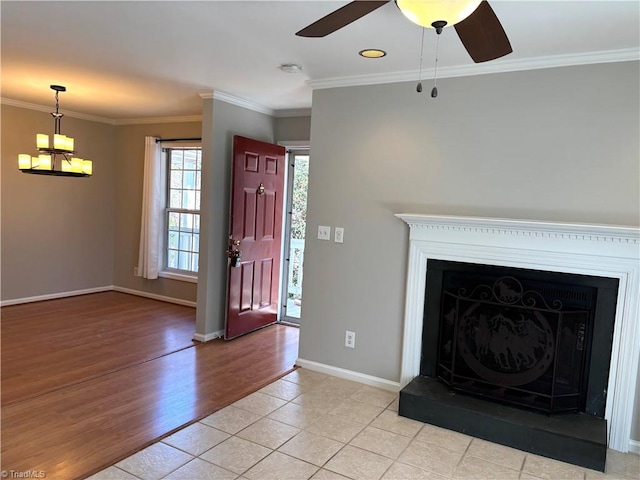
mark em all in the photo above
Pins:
pixel 292 147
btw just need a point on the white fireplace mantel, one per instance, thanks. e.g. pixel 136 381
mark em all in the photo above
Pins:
pixel 598 250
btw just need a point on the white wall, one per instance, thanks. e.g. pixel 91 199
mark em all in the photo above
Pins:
pixel 556 144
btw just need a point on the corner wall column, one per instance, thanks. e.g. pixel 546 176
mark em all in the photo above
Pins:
pixel 210 294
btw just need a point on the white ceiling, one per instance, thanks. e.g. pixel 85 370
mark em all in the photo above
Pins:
pixel 145 59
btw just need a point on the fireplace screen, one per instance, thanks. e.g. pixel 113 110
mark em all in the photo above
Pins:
pixel 513 340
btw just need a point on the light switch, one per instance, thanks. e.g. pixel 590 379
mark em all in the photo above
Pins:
pixel 338 236
pixel 324 233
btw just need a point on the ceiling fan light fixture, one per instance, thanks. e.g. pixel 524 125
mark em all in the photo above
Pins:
pixel 372 53
pixel 426 12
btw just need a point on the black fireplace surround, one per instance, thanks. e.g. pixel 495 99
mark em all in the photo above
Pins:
pixel 518 357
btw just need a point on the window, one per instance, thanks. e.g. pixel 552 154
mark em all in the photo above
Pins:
pixel 182 214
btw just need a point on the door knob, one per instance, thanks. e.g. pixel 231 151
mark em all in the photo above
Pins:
pixel 233 253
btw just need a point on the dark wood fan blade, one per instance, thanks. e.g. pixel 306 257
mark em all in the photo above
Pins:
pixel 482 35
pixel 340 18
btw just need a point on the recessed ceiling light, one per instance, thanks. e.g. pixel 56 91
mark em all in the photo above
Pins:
pixel 372 53
pixel 290 68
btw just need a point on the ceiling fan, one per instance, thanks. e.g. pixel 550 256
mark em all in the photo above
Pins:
pixel 474 20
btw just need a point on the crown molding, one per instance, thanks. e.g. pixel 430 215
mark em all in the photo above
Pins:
pixel 93 118
pixel 240 102
pixel 496 66
pixel 45 109
pixel 141 121
pixel 224 97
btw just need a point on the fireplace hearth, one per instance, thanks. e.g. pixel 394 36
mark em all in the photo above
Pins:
pixel 579 438
pixel 598 378
pixel 526 339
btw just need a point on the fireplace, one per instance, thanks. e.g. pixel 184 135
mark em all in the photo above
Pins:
pixel 600 401
pixel 533 339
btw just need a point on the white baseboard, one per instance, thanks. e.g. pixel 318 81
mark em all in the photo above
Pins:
pixel 198 337
pixel 106 288
pixel 53 296
pixel 634 445
pixel 349 375
pixel 178 301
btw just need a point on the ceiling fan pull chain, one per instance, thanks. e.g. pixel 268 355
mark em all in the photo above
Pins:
pixel 419 86
pixel 434 90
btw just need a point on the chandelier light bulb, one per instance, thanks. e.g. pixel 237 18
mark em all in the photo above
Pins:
pixel 44 162
pixel 76 164
pixel 42 140
pixel 24 161
pixel 58 141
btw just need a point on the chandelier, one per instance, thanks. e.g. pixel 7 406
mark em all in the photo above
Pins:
pixel 58 159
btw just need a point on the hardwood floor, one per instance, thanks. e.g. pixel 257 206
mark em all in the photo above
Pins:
pixel 116 406
pixel 71 340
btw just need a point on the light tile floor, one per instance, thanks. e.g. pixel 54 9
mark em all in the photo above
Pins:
pixel 310 425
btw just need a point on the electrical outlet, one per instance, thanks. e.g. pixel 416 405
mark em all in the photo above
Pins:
pixel 350 339
pixel 338 236
pixel 135 271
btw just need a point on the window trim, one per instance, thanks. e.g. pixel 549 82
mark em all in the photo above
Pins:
pixel 165 271
pixel 181 277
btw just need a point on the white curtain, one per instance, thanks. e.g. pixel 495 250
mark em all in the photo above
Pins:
pixel 152 210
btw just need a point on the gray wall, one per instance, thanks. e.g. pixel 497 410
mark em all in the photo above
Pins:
pixel 221 121
pixel 292 128
pixel 129 161
pixel 56 232
pixel 556 144
pixel 65 234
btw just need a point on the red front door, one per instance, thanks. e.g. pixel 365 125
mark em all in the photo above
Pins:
pixel 257 194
